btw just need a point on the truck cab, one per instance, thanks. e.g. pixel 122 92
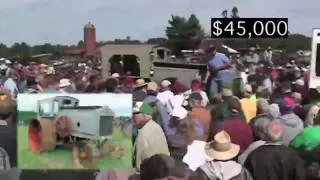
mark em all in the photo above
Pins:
pixel 49 108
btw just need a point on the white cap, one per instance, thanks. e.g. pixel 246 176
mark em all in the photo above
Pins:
pixel 64 83
pixel 179 112
pixel 299 82
pixel 248 88
pixel 115 75
pixel 165 83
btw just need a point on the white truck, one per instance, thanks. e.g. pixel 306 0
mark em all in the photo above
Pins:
pixel 315 60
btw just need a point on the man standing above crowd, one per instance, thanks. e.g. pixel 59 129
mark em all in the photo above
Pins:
pixel 11 83
pixel 219 70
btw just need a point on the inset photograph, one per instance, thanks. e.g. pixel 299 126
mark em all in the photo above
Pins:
pixel 8 132
pixel 58 174
pixel 78 174
pixel 74 131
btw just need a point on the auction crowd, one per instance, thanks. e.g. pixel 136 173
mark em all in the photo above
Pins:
pixel 263 124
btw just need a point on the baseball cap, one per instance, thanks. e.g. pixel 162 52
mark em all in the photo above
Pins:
pixel 145 109
pixel 165 83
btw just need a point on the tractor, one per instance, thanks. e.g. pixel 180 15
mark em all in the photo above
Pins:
pixel 61 121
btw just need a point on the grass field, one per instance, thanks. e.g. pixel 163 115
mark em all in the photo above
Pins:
pixel 61 158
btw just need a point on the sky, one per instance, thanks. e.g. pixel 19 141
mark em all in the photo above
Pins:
pixel 62 21
pixel 121 104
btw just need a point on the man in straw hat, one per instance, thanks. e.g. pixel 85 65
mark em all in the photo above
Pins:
pixel 223 167
pixel 140 90
pixel 151 139
pixel 273 160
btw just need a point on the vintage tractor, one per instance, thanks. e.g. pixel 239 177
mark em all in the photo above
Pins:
pixel 61 121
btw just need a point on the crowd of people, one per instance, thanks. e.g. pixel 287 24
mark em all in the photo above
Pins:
pixel 264 127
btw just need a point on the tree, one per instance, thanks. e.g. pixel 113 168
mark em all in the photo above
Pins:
pixel 224 13
pixel 4 51
pixel 158 40
pixel 234 12
pixel 184 33
pixel 22 50
pixel 80 44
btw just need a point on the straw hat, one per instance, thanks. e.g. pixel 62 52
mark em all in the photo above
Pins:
pixel 152 86
pixel 140 83
pixel 221 147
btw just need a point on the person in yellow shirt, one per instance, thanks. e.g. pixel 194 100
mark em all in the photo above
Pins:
pixel 249 105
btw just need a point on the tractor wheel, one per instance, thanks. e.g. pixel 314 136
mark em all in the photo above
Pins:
pixel 41 135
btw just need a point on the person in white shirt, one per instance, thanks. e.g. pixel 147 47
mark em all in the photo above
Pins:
pixel 11 84
pixel 196 155
pixel 244 76
pixel 267 55
pixel 165 94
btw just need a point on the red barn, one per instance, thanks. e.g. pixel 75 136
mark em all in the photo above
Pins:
pixel 90 44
